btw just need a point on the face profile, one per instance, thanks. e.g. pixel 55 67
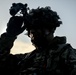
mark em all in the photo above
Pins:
pixel 39 37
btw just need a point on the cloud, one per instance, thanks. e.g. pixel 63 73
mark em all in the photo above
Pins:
pixel 21 47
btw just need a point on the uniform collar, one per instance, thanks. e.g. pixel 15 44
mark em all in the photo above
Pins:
pixel 55 43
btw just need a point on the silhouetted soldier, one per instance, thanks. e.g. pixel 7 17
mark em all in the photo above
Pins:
pixel 52 56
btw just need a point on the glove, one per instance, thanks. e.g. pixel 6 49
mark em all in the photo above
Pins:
pixel 15 26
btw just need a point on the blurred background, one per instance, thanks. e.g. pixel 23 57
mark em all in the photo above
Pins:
pixel 66 9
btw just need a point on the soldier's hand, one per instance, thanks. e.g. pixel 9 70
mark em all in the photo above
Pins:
pixel 15 26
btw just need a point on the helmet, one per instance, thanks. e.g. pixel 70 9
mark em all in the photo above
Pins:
pixel 43 17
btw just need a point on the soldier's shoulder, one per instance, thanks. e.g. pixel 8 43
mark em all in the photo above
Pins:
pixel 68 50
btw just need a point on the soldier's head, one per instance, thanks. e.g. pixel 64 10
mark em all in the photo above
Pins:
pixel 43 23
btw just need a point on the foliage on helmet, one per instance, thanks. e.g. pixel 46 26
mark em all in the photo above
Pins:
pixel 44 18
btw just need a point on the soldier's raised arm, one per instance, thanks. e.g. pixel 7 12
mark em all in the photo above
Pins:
pixel 14 28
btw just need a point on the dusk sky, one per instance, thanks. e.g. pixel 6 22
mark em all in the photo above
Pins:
pixel 66 9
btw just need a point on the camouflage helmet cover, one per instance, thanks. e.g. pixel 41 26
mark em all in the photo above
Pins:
pixel 43 17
